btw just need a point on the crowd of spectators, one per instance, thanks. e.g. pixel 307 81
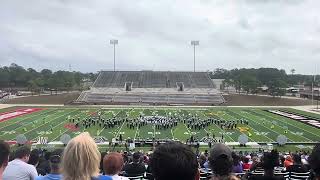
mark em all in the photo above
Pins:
pixel 81 160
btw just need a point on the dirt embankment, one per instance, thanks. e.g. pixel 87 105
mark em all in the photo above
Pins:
pixel 45 99
pixel 252 100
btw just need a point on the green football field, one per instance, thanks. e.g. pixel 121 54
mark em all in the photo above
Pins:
pixel 52 123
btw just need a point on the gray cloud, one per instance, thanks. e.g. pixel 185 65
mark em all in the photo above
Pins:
pixel 156 34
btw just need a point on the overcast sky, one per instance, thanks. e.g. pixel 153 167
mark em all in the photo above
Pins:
pixel 156 34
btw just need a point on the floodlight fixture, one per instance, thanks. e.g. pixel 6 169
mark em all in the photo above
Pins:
pixel 194 43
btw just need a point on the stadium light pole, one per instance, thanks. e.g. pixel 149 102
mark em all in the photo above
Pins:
pixel 114 42
pixel 194 44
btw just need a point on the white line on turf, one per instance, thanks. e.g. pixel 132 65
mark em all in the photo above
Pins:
pixel 83 113
pixel 222 131
pixel 25 118
pixel 64 114
pixel 117 134
pixel 264 127
pixel 25 125
pixel 104 127
pixel 289 124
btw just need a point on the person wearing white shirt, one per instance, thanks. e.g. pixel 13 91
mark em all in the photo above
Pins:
pixel 19 169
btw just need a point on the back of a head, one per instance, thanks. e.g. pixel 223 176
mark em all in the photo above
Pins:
pixel 314 160
pixel 172 161
pixel 220 160
pixel 112 163
pixel 81 158
pixel 34 157
pixel 235 159
pixel 296 158
pixel 55 159
pixel 22 151
pixel 270 160
pixel 136 157
pixel 4 153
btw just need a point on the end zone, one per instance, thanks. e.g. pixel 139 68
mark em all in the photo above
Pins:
pixel 19 112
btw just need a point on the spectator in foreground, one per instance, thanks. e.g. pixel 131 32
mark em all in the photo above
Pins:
pixel 18 168
pixel 314 162
pixel 237 166
pixel 54 162
pixel 270 160
pixel 221 162
pixel 246 165
pixel 4 156
pixel 34 158
pixel 135 168
pixel 288 161
pixel 112 166
pixel 173 161
pixel 81 159
pixel 297 165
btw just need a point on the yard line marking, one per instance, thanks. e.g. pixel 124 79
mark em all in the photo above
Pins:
pixel 172 134
pixel 114 116
pixel 288 124
pixel 51 121
pixel 21 127
pixel 117 134
pixel 83 113
pixel 266 128
pixel 25 118
pixel 221 129
pixel 135 134
pixel 249 125
pixel 60 122
pixel 165 110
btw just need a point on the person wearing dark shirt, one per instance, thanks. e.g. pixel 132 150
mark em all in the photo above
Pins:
pixel 4 156
pixel 269 161
pixel 135 168
pixel 297 166
pixel 314 161
pixel 174 161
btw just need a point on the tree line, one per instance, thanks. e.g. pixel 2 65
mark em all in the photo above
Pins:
pixel 15 76
pixel 249 80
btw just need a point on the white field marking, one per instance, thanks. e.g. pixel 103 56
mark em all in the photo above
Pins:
pixel 287 123
pixel 172 134
pixel 165 110
pixel 135 134
pixel 27 117
pixel 50 121
pixel 117 134
pixel 280 127
pixel 221 129
pixel 103 126
pixel 62 123
pixel 265 127
pixel 83 113
pixel 23 126
pixel 227 114
pixel 251 126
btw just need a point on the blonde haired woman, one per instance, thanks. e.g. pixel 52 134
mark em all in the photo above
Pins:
pixel 81 159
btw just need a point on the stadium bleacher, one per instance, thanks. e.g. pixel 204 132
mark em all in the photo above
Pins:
pixel 152 87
